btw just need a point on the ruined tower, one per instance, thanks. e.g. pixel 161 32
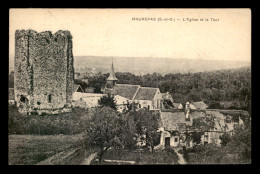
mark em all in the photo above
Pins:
pixel 44 73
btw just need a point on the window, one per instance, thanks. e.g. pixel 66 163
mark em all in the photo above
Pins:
pixel 176 139
pixel 139 105
pixel 49 98
pixel 23 99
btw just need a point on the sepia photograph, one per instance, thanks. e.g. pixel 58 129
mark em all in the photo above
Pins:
pixel 129 86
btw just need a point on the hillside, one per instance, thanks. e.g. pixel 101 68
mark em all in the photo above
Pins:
pixel 142 65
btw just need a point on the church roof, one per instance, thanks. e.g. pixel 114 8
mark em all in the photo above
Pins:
pixel 146 93
pixel 112 75
pixel 125 90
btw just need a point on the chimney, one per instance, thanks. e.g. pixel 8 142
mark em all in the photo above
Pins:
pixel 187 111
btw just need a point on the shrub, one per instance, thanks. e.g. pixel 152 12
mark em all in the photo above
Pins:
pixel 225 138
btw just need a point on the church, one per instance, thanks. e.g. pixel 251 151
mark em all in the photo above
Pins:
pixel 125 94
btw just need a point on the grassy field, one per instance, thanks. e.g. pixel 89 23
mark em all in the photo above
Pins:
pixel 31 149
pixel 66 123
pixel 148 158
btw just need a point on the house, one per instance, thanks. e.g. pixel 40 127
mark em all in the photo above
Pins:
pixel 174 126
pixel 89 90
pixel 167 101
pixel 86 100
pixel 177 106
pixel 77 88
pixel 149 98
pixel 167 96
pixel 199 105
pixel 122 103
pixel 11 99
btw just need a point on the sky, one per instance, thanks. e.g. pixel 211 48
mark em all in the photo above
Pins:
pixel 113 32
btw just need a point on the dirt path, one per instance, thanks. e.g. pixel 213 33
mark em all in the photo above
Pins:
pixel 181 159
pixel 88 160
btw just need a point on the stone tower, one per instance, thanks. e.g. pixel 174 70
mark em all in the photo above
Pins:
pixel 44 73
pixel 111 80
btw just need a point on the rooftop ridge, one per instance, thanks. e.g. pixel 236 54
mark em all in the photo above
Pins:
pixel 148 87
pixel 127 84
pixel 136 92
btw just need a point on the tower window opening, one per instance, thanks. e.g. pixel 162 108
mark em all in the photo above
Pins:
pixel 49 98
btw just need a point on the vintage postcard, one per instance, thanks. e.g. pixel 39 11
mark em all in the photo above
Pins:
pixel 129 86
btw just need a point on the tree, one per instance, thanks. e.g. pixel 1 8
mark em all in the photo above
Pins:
pixel 128 133
pixel 103 131
pixel 241 142
pixel 147 123
pixel 81 83
pixel 196 137
pixel 225 138
pixel 107 101
pixel 204 124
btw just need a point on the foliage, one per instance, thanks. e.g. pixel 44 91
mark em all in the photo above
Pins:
pixel 147 123
pixel 81 83
pixel 128 135
pixel 213 87
pixel 98 82
pixel 203 123
pixel 225 138
pixel 241 142
pixel 196 137
pixel 107 101
pixel 236 151
pixel 103 130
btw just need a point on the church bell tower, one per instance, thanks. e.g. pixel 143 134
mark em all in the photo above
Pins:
pixel 111 80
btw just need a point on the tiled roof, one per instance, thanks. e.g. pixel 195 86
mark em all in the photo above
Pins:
pixel 197 114
pixel 200 105
pixel 125 90
pixel 146 93
pixel 176 105
pixel 216 114
pixel 77 95
pixel 11 93
pixel 172 120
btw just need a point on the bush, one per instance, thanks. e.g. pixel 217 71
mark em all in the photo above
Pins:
pixel 225 138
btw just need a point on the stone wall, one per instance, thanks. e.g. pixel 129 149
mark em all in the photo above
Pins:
pixel 44 72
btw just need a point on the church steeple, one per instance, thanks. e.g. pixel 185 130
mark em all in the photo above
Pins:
pixel 111 80
pixel 112 76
